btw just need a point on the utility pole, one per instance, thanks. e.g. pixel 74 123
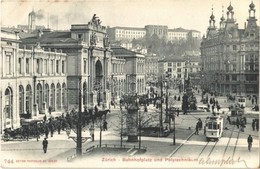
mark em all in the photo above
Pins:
pixel 79 139
pixel 161 124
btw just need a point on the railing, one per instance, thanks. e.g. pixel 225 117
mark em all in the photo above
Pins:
pixel 119 146
pixel 90 149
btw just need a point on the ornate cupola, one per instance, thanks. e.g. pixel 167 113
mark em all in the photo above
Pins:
pixel 251 29
pixel 212 28
pixel 212 20
pixel 222 19
pixel 251 10
pixel 230 13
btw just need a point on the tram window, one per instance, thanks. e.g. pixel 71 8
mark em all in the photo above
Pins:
pixel 209 125
pixel 233 113
pixel 214 125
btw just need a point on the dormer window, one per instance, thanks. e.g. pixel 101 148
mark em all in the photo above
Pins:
pixel 80 36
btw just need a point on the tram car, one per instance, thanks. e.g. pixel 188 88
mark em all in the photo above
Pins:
pixel 236 114
pixel 213 127
pixel 241 101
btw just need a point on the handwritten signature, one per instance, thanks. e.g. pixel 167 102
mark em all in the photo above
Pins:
pixel 220 162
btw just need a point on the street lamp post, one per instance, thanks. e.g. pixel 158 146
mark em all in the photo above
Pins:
pixel 100 132
pixel 173 129
pixel 161 125
pixel 79 139
pixel 166 103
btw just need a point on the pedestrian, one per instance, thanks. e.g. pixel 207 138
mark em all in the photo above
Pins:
pixel 218 107
pixel 166 129
pixel 179 98
pixel 228 119
pixel 197 129
pixel 213 107
pixel 45 145
pixel 59 126
pixel 178 112
pixel 249 142
pixel 91 131
pixel 46 131
pixel 244 118
pixel 257 125
pixel 253 124
pixel 237 123
pixel 200 124
pixel 104 125
pixel 242 126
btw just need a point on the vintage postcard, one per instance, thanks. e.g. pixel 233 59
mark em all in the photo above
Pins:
pixel 129 84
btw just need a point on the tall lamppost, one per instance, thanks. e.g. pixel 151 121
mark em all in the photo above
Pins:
pixel 166 99
pixel 79 139
pixel 173 128
pixel 161 124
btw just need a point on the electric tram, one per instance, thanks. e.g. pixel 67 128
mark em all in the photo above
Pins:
pixel 236 114
pixel 213 127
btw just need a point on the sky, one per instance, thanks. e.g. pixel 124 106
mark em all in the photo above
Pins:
pixel 188 14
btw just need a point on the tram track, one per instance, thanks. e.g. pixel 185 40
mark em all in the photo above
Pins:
pixel 209 149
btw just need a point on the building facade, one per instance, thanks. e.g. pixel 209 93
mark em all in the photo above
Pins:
pixel 131 76
pixel 151 67
pixel 162 31
pixel 230 56
pixel 32 80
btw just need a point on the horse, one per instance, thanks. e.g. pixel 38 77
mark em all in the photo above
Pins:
pixel 101 113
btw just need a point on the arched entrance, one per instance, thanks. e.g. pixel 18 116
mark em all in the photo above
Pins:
pixel 98 81
pixel 58 98
pixel 64 101
pixel 28 99
pixel 8 108
pixel 52 97
pixel 21 100
pixel 47 94
pixel 39 100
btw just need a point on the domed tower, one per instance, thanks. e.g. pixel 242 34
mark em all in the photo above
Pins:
pixel 222 20
pixel 212 20
pixel 230 13
pixel 251 29
pixel 212 28
pixel 251 10
pixel 31 21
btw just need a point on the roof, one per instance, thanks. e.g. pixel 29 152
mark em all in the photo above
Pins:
pixel 195 31
pixel 10 30
pixel 128 28
pixel 179 30
pixel 173 59
pixel 50 37
pixel 121 51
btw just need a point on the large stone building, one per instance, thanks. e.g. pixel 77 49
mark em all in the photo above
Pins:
pixel 151 67
pixel 89 58
pixel 122 33
pixel 32 80
pixel 230 56
pixel 128 72
pixel 47 71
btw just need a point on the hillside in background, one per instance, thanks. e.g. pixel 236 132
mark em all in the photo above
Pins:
pixel 163 48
